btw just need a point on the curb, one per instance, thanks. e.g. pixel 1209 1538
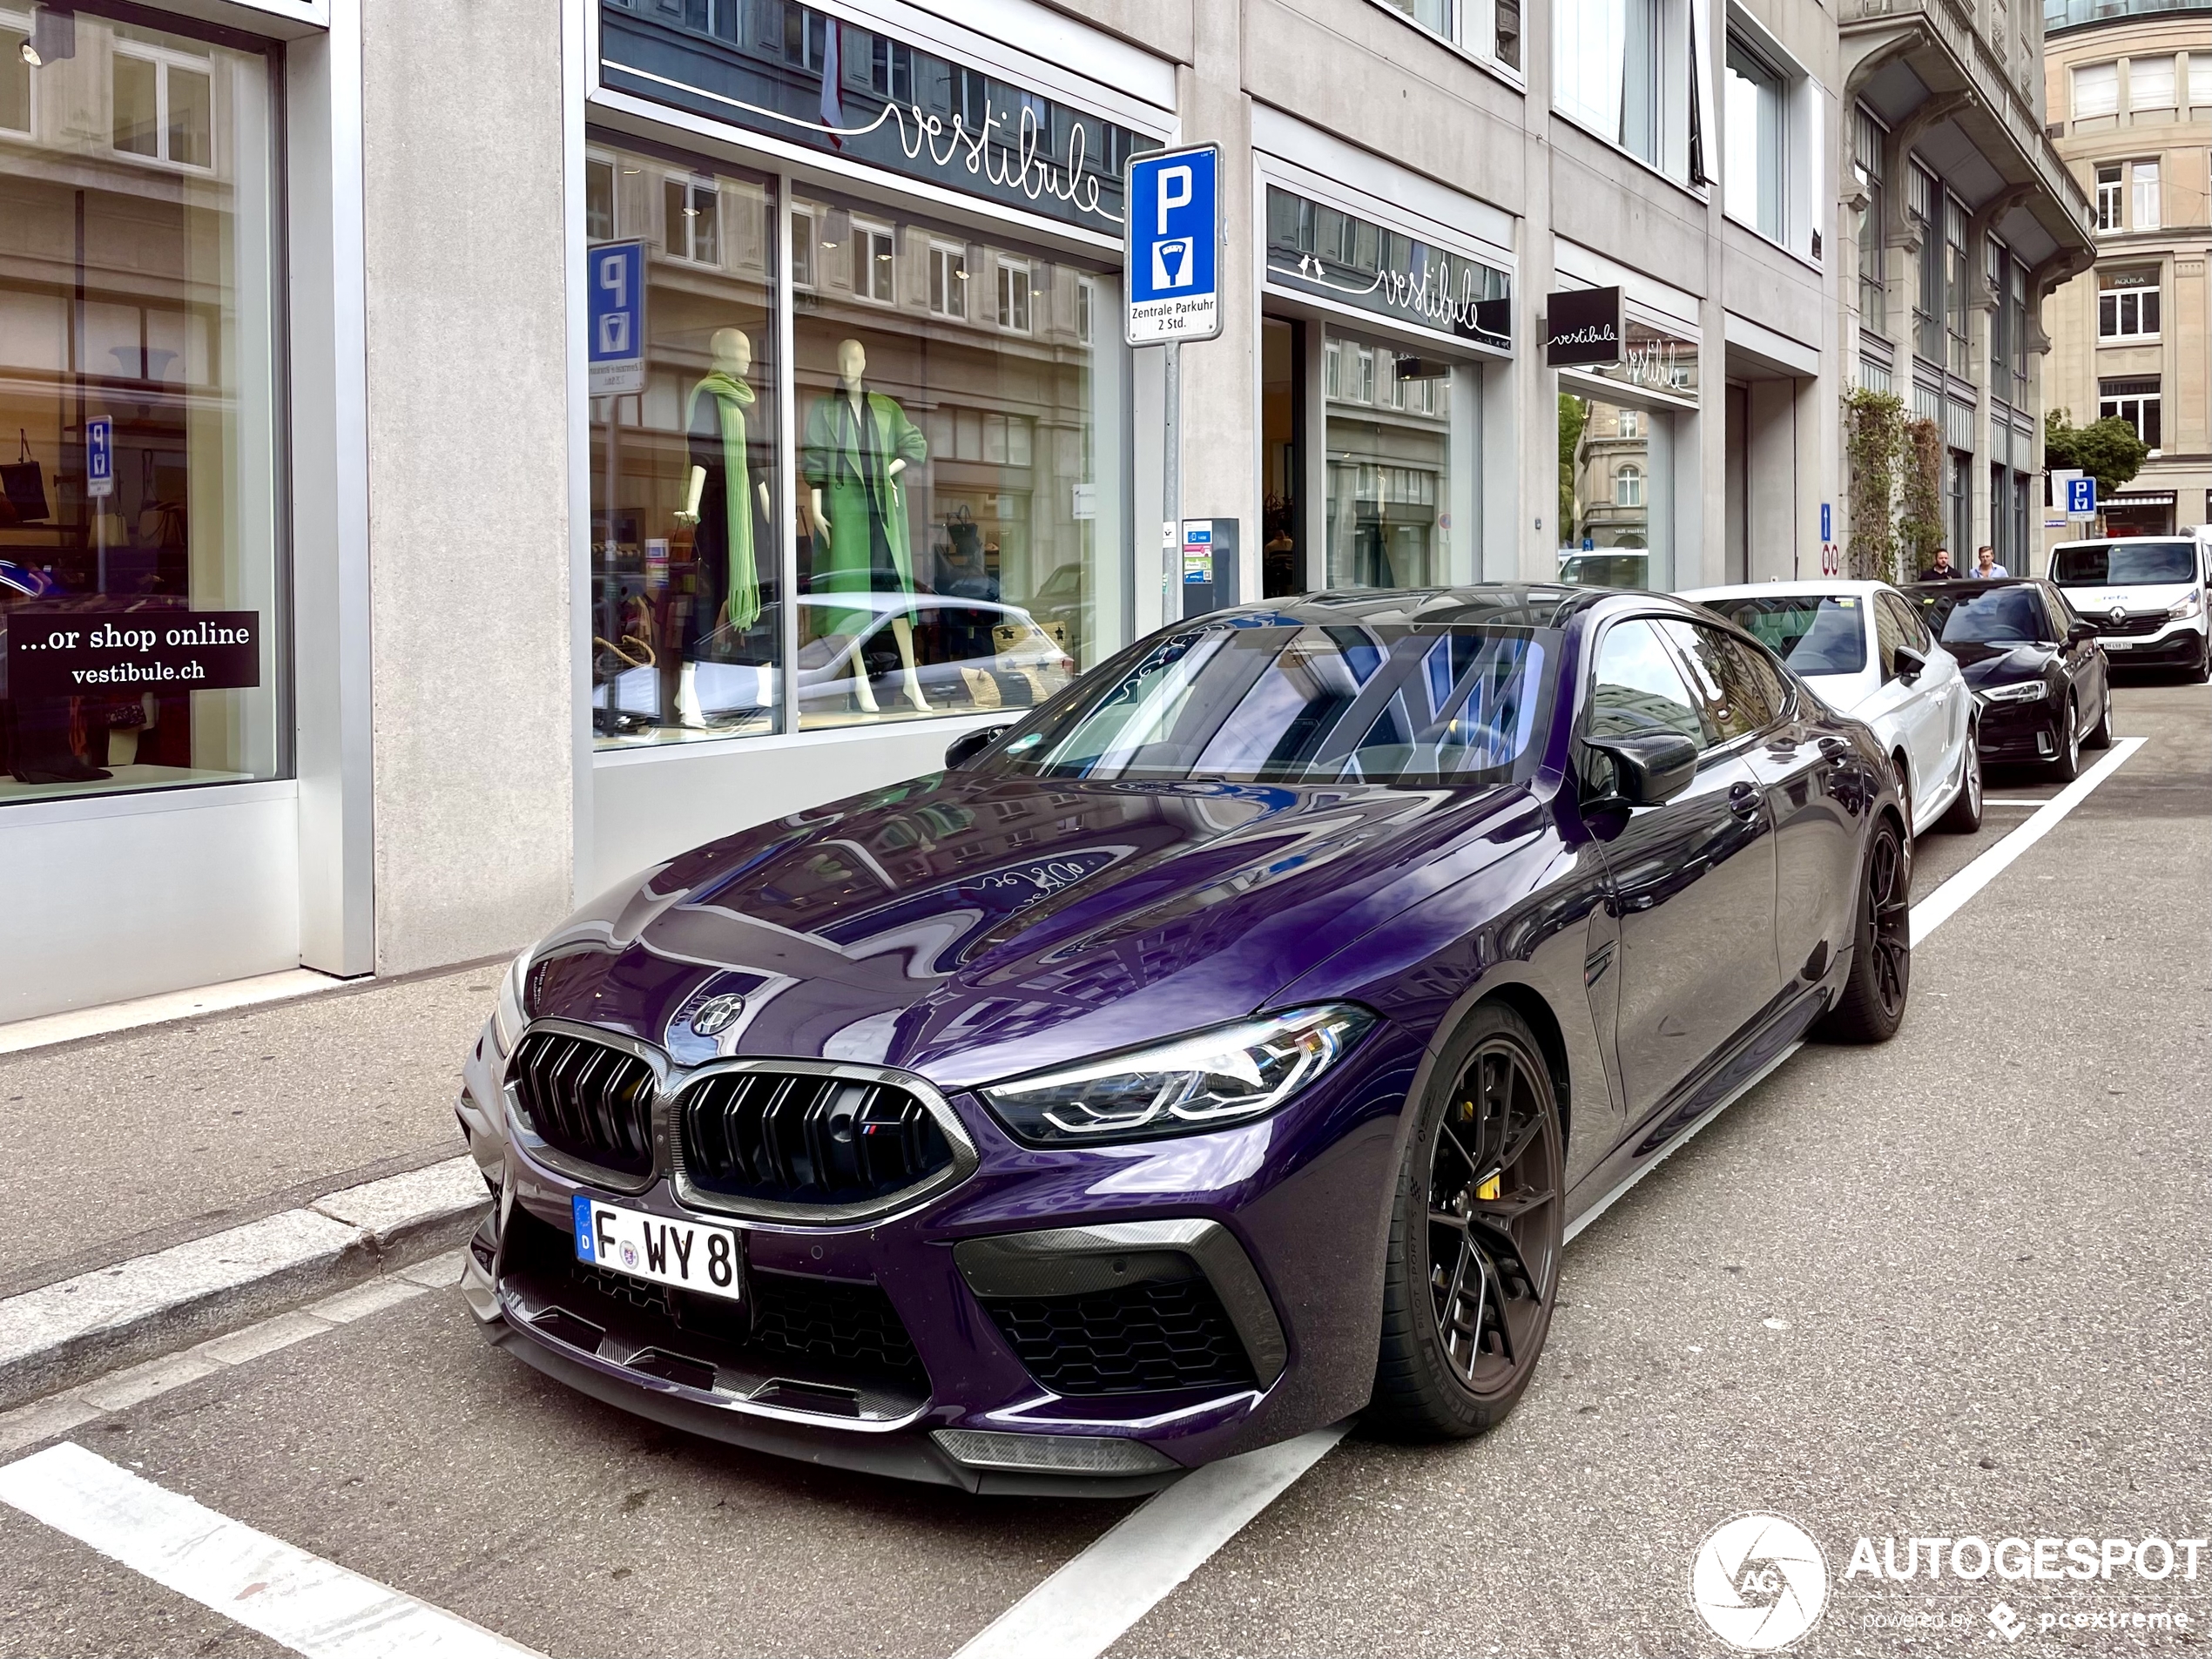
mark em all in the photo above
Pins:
pixel 64 1334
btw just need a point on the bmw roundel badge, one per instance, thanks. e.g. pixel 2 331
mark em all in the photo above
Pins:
pixel 716 1014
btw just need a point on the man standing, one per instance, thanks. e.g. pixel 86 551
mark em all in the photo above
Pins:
pixel 1986 565
pixel 1941 570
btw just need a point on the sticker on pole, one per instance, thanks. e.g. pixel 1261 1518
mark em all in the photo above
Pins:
pixel 614 274
pixel 1174 225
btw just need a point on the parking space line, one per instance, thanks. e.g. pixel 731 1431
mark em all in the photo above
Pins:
pixel 312 1606
pixel 1947 900
pixel 1086 1607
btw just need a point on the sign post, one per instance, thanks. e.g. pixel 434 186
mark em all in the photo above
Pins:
pixel 99 481
pixel 617 358
pixel 1172 225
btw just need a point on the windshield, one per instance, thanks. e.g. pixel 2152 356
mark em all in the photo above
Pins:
pixel 1814 633
pixel 2123 564
pixel 1993 616
pixel 1280 703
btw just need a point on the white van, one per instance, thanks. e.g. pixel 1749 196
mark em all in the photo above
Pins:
pixel 2146 595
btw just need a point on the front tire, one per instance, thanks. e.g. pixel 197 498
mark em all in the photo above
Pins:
pixel 1872 1005
pixel 1964 816
pixel 1475 1237
pixel 2067 766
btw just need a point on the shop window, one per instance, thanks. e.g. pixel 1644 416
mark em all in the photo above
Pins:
pixel 2146 204
pixel 948 279
pixel 1387 510
pixel 2108 195
pixel 1754 116
pixel 162 108
pixel 693 222
pixel 875 270
pixel 2128 304
pixel 2150 83
pixel 1611 461
pixel 1013 297
pixel 2135 401
pixel 2096 89
pixel 140 485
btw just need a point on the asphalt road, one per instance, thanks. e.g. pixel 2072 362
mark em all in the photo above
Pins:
pixel 1954 1285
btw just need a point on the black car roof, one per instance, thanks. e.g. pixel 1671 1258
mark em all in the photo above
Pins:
pixel 1977 584
pixel 1484 604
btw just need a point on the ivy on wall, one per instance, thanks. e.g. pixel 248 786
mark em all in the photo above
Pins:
pixel 1919 522
pixel 1876 425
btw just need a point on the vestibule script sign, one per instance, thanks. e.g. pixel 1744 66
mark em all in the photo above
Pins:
pixel 90 653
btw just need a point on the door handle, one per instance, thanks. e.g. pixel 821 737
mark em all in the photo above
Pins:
pixel 1744 800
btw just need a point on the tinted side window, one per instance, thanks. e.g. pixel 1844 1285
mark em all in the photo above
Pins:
pixel 1916 633
pixel 2062 614
pixel 1736 706
pixel 1638 689
pixel 1889 634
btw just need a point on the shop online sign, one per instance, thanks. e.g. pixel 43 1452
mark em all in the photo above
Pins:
pixel 93 653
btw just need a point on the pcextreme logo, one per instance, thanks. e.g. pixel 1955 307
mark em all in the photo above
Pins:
pixel 1759 1583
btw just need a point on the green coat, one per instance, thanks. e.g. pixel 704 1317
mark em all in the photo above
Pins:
pixel 856 486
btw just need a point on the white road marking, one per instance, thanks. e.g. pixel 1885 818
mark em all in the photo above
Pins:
pixel 1947 900
pixel 313 1606
pixel 1086 1607
pixel 2016 801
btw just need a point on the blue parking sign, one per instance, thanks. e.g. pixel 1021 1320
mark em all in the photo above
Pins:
pixel 2081 498
pixel 99 458
pixel 1174 239
pixel 615 278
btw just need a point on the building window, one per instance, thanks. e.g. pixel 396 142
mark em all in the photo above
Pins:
pixel 1867 138
pixel 1628 487
pixel 694 221
pixel 2135 401
pixel 1085 290
pixel 2128 304
pixel 948 279
pixel 803 236
pixel 14 80
pixel 1631 427
pixel 1487 28
pixel 1621 68
pixel 598 200
pixel 2109 194
pixel 2144 206
pixel 1756 130
pixel 2150 83
pixel 1013 297
pixel 1957 295
pixel 874 271
pixel 2096 89
pixel 158 347
pixel 163 108
pixel 2201 80
pixel 891 69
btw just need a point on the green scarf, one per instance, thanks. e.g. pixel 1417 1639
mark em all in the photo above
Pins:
pixel 733 397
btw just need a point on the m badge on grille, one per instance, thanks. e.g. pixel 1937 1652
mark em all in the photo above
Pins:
pixel 716 1014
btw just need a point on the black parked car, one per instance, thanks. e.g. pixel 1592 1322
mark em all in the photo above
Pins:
pixel 2036 668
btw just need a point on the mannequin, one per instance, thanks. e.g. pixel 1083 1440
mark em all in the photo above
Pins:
pixel 857 443
pixel 726 487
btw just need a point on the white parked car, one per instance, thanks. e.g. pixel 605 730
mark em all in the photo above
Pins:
pixel 2146 595
pixel 1864 649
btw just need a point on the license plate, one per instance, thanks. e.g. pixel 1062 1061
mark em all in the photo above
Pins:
pixel 691 1255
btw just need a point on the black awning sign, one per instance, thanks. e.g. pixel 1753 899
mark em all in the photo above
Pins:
pixel 96 653
pixel 1581 327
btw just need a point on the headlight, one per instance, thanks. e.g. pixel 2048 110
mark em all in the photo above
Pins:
pixel 1206 1081
pixel 2189 607
pixel 512 1012
pixel 2033 691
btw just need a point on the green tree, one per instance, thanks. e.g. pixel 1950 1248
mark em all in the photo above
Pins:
pixel 1574 416
pixel 2107 451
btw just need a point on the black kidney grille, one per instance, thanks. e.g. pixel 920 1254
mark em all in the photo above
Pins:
pixel 589 1101
pixel 1137 1338
pixel 798 1138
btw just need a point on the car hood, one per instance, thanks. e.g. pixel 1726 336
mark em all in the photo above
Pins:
pixel 969 927
pixel 2096 603
pixel 2000 664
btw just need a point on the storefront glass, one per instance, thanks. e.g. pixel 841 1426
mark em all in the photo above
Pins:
pixel 141 575
pixel 1388 511
pixel 960 461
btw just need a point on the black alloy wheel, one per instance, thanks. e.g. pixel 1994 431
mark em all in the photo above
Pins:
pixel 1964 816
pixel 2067 766
pixel 1872 1004
pixel 1476 1239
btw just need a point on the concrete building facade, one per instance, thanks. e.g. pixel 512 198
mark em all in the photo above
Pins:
pixel 2130 89
pixel 722 406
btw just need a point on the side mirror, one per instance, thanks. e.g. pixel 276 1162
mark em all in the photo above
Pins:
pixel 1910 663
pixel 1651 770
pixel 968 745
pixel 2080 629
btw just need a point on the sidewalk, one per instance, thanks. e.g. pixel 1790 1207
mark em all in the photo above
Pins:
pixel 121 1146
